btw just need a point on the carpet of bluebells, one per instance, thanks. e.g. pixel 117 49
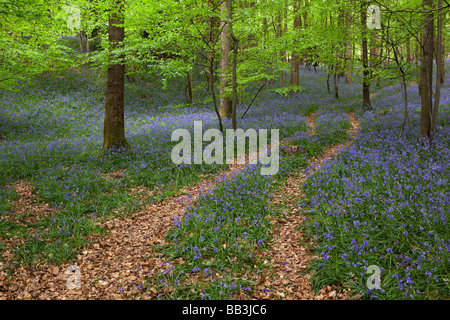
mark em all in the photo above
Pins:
pixel 54 127
pixel 218 241
pixel 384 201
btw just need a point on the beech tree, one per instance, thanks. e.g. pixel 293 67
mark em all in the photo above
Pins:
pixel 114 124
pixel 295 60
pixel 225 62
pixel 367 106
pixel 430 48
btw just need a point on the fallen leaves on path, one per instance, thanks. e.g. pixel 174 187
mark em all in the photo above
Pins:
pixel 289 253
pixel 117 263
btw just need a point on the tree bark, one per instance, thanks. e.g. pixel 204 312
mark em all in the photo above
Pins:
pixel 335 86
pixel 408 50
pixel 374 53
pixel 282 53
pixel 235 55
pixel 189 94
pixel 212 34
pixel 80 38
pixel 225 63
pixel 87 43
pixel 295 60
pixel 439 71
pixel 213 89
pixel 367 106
pixel 348 75
pixel 426 73
pixel 283 30
pixel 114 124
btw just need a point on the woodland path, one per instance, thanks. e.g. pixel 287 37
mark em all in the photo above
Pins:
pixel 290 253
pixel 116 263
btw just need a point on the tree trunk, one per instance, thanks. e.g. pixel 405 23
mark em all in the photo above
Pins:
pixel 189 94
pixel 80 38
pixel 328 77
pixel 295 61
pixel 335 86
pixel 443 58
pixel 283 30
pixel 348 76
pixel 87 43
pixel 213 89
pixel 408 50
pixel 212 34
pixel 374 54
pixel 235 55
pixel 282 53
pixel 426 73
pixel 367 106
pixel 416 62
pixel 114 124
pixel 225 63
pixel 439 71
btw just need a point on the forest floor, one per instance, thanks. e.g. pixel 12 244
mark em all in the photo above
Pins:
pixel 115 262
pixel 139 227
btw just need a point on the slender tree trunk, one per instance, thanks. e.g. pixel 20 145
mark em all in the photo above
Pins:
pixel 212 34
pixel 443 57
pixel 235 55
pixel 367 106
pixel 442 47
pixel 213 89
pixel 282 53
pixel 132 68
pixel 426 73
pixel 80 37
pixel 328 77
pixel 114 124
pixel 348 76
pixel 189 94
pixel 295 61
pixel 374 54
pixel 225 101
pixel 285 30
pixel 417 58
pixel 87 43
pixel 408 50
pixel 395 50
pixel 439 72
pixel 336 88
